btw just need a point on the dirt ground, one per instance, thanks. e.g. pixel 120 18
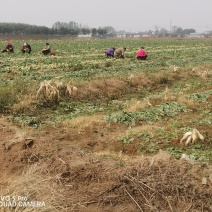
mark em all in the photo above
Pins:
pixel 79 169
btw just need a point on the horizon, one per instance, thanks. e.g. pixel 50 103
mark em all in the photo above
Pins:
pixel 120 30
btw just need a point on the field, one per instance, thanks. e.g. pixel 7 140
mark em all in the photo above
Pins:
pixel 81 132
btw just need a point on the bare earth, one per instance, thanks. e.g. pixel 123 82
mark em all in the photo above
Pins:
pixel 79 169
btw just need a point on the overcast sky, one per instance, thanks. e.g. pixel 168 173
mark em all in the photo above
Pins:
pixel 129 15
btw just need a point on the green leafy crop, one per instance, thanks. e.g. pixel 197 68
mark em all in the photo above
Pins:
pixel 150 115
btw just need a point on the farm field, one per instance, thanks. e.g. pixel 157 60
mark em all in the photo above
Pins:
pixel 81 132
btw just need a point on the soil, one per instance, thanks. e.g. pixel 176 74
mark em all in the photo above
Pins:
pixel 83 171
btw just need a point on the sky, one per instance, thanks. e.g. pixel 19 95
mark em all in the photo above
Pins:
pixel 128 15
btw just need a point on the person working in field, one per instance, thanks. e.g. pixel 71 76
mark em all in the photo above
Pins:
pixel 110 52
pixel 47 49
pixel 120 53
pixel 9 48
pixel 26 48
pixel 141 54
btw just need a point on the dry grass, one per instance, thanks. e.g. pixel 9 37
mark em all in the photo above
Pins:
pixel 83 121
pixel 36 185
pixel 144 128
pixel 135 104
pixel 52 90
pixel 97 89
pixel 25 105
pixel 203 71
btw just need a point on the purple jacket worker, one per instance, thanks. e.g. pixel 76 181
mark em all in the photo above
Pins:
pixel 110 52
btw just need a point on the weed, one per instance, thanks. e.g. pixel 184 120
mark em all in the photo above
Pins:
pixel 8 97
pixel 108 64
pixel 127 139
pixel 200 97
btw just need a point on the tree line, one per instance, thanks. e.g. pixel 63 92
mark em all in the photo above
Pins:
pixel 59 28
pixel 74 29
pixel 174 32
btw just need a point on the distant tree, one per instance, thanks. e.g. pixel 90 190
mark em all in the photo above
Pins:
pixel 156 30
pixel 70 25
pixel 64 31
pixel 85 31
pixel 56 25
pixel 188 31
pixel 94 32
pixel 101 31
pixel 74 32
pixel 73 25
pixel 62 28
pixel 163 32
pixel 150 33
pixel 17 28
pixel 179 32
pixel 109 29
pixel 174 28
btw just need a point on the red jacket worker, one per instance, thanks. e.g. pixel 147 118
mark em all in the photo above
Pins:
pixel 141 54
